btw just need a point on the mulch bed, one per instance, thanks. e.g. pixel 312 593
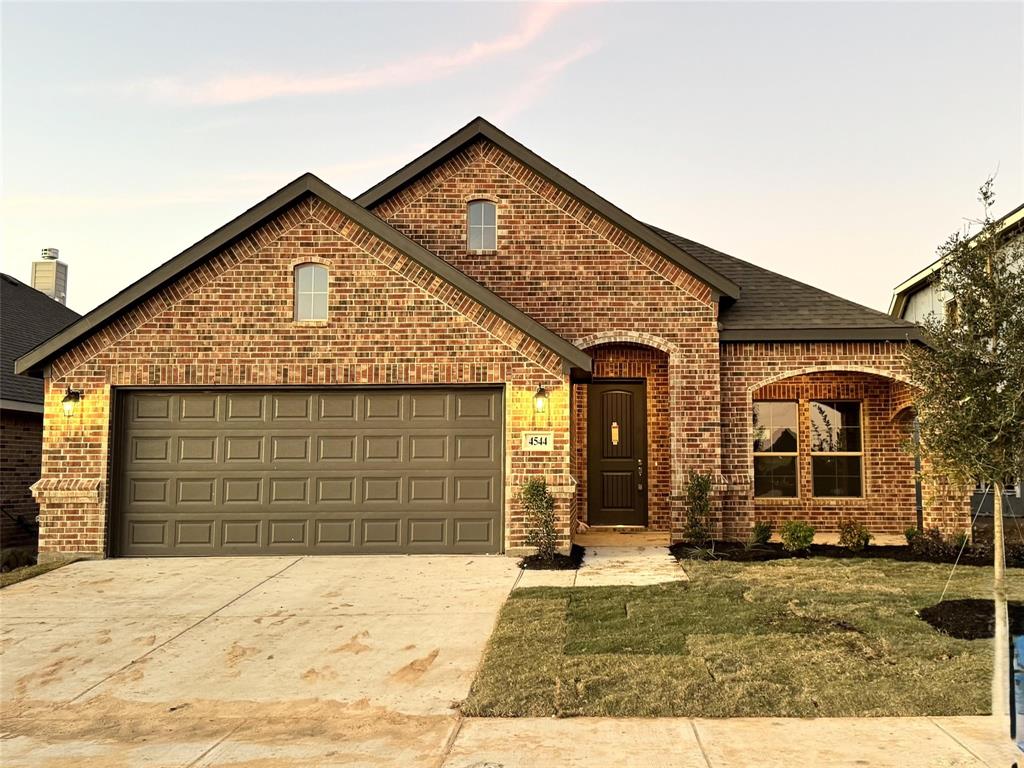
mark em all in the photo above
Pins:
pixel 570 562
pixel 736 552
pixel 971 619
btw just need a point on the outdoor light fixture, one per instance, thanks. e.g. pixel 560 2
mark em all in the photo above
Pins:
pixel 71 398
pixel 540 400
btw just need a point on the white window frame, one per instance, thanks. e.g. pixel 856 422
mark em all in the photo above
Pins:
pixel 312 292
pixel 795 454
pixel 482 228
pixel 829 454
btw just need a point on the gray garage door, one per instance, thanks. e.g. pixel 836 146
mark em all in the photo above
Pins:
pixel 320 472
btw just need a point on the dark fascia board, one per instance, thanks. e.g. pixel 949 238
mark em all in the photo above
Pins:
pixel 34 361
pixel 753 336
pixel 479 127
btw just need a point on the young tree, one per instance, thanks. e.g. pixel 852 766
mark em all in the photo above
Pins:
pixel 971 373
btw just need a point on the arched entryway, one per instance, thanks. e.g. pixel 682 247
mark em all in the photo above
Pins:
pixel 622 434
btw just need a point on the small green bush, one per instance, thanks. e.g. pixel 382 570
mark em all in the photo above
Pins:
pixel 761 533
pixel 539 505
pixel 698 508
pixel 911 533
pixel 796 535
pixel 854 535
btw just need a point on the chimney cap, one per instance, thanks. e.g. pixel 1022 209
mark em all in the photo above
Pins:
pixel 50 253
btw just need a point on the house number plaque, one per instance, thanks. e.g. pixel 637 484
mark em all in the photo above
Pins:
pixel 538 441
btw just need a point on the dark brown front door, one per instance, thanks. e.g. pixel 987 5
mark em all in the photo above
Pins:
pixel 617 453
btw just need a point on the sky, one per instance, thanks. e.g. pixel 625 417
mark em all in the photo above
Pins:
pixel 837 143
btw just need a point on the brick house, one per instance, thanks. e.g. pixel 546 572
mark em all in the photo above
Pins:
pixel 381 374
pixel 27 318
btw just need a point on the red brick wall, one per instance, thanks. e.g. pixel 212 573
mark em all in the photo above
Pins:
pixel 632 361
pixel 229 322
pixel 21 439
pixel 873 372
pixel 583 278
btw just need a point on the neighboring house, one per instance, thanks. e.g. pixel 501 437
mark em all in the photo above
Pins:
pixel 27 318
pixel 326 375
pixel 920 297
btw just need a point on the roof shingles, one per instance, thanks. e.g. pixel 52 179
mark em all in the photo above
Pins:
pixel 27 318
pixel 773 307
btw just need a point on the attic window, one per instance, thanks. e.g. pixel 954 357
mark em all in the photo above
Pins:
pixel 483 226
pixel 310 292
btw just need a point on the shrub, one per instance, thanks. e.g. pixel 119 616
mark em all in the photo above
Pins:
pixel 796 535
pixel 930 544
pixel 761 533
pixel 539 505
pixel 910 534
pixel 698 508
pixel 854 535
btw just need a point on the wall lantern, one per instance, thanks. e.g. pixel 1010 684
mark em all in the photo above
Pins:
pixel 540 400
pixel 70 401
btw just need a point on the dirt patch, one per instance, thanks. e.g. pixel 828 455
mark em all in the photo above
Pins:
pixel 560 562
pixel 238 652
pixel 414 670
pixel 355 644
pixel 737 552
pixel 123 725
pixel 971 619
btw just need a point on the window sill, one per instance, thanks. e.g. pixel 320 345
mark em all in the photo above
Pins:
pixel 482 252
pixel 311 322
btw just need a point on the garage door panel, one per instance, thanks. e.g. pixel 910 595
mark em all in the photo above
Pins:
pixel 199 407
pixel 332 471
pixel 337 407
pixel 290 448
pixel 291 408
pixel 152 408
pixel 383 406
pixel 341 448
pixel 245 407
pixel 151 449
pixel 382 448
pixel 243 448
pixel 201 448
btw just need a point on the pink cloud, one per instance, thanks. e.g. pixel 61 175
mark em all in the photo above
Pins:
pixel 533 87
pixel 410 71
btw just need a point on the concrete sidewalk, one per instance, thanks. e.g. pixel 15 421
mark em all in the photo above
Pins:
pixel 885 742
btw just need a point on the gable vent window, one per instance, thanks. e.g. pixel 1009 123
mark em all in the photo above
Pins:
pixel 310 292
pixel 483 226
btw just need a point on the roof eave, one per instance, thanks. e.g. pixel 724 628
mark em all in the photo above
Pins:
pixel 478 127
pixel 751 335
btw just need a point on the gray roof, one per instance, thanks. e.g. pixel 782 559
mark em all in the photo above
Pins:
pixel 305 185
pixel 774 307
pixel 27 317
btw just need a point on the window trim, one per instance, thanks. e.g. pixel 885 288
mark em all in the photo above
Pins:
pixel 482 227
pixel 861 453
pixel 795 454
pixel 296 293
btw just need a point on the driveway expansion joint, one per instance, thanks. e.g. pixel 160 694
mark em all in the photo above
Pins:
pixel 171 639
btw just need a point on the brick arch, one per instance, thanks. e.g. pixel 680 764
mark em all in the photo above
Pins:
pixel 628 337
pixel 885 374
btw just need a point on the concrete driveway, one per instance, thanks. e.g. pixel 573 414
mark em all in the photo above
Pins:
pixel 292 661
pixel 316 661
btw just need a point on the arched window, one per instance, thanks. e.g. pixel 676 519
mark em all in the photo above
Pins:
pixel 483 226
pixel 310 292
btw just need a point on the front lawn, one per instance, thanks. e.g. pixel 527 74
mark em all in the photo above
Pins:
pixel 791 638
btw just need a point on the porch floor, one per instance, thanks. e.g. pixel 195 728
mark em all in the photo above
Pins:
pixel 614 559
